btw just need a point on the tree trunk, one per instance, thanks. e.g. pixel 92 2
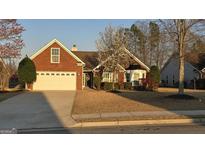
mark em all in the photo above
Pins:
pixel 181 57
pixel 113 81
pixel 26 86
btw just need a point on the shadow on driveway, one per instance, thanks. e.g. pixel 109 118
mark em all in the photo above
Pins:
pixel 34 110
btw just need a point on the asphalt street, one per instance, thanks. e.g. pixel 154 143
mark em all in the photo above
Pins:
pixel 164 129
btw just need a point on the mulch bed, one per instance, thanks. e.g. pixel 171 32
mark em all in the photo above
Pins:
pixel 182 97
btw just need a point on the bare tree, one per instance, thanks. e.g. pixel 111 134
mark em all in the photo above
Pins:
pixel 147 41
pixel 10 44
pixel 182 32
pixel 111 47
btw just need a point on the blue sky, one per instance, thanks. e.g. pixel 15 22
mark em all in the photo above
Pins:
pixel 83 32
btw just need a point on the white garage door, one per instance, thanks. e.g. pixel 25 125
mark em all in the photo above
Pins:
pixel 55 81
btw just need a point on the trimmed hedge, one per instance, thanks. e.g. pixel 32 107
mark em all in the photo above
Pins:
pixel 128 85
pixel 97 82
pixel 200 83
pixel 108 86
pixel 27 71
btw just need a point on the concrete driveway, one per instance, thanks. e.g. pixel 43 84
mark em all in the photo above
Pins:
pixel 37 110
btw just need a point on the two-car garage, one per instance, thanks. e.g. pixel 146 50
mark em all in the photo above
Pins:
pixel 55 81
pixel 57 68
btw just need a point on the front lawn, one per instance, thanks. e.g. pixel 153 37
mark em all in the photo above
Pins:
pixel 6 94
pixel 92 101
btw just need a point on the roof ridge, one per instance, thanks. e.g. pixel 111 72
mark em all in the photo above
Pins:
pixel 84 51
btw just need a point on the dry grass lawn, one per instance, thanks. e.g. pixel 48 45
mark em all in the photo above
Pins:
pixel 91 101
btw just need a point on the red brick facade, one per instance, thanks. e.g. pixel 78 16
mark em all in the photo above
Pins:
pixel 121 77
pixel 67 63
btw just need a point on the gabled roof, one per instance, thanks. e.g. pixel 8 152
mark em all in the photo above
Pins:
pixel 137 60
pixel 196 60
pixel 174 55
pixel 61 45
pixel 131 55
pixel 88 57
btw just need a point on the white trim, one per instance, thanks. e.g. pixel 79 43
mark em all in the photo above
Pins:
pixel 131 55
pixel 101 64
pixel 82 80
pixel 59 43
pixel 121 67
pixel 203 70
pixel 195 69
pixel 136 59
pixel 51 59
pixel 83 77
pixel 108 77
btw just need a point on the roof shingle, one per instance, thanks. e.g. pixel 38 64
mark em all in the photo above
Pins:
pixel 90 58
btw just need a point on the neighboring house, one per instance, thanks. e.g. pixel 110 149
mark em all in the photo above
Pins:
pixel 193 70
pixel 59 68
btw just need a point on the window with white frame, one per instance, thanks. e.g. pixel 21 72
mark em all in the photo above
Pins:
pixel 55 55
pixel 108 77
pixel 136 76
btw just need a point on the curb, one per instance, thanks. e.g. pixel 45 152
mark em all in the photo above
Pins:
pixel 138 122
pixel 41 129
pixel 118 123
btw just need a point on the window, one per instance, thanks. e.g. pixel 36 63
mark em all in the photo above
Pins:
pixel 47 73
pixel 108 77
pixel 55 55
pixel 136 76
pixel 62 74
pixel 167 79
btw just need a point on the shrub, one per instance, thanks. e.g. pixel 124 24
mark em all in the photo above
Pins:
pixel 97 82
pixel 200 83
pixel 176 85
pixel 153 78
pixel 128 85
pixel 27 71
pixel 13 81
pixel 121 86
pixel 108 85
pixel 117 86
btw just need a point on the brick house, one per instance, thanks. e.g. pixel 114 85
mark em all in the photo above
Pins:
pixel 59 68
